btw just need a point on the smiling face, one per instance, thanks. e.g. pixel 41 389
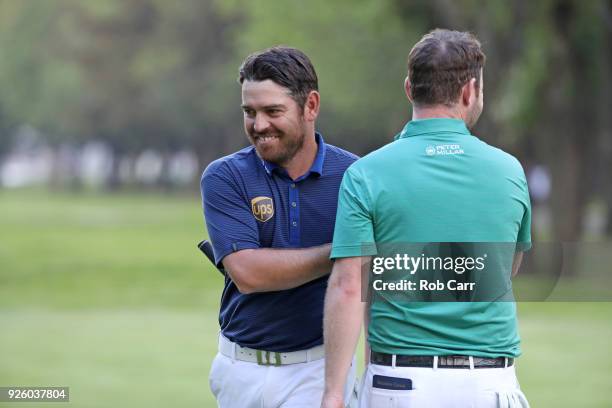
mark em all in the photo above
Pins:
pixel 273 121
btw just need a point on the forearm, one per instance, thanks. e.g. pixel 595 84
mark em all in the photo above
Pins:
pixel 270 269
pixel 343 318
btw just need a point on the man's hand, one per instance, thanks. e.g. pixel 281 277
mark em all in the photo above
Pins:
pixel 332 401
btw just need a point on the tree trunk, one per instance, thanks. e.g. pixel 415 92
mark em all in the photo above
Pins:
pixel 573 122
pixel 606 122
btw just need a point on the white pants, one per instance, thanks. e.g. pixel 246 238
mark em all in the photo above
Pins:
pixel 238 384
pixel 444 388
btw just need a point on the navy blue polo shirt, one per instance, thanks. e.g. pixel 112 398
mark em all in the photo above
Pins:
pixel 251 203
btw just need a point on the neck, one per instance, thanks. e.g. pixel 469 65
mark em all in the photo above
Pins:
pixel 303 159
pixel 432 112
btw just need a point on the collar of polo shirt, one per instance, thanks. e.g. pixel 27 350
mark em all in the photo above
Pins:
pixel 433 125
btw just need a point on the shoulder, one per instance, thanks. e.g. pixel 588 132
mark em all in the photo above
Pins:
pixel 229 166
pixel 500 158
pixel 337 159
pixel 340 153
pixel 337 153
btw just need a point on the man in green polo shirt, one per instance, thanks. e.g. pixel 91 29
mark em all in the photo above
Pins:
pixel 411 209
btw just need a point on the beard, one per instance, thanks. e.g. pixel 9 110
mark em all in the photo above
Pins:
pixel 278 147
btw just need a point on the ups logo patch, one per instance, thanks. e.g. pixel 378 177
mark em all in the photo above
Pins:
pixel 263 208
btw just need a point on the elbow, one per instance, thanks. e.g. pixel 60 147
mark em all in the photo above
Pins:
pixel 345 279
pixel 242 279
pixel 244 289
pixel 245 286
pixel 350 291
pixel 346 288
pixel 239 267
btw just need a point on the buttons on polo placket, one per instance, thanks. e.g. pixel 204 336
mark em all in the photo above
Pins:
pixel 294 214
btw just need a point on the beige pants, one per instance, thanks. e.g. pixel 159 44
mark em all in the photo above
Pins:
pixel 239 384
pixel 444 388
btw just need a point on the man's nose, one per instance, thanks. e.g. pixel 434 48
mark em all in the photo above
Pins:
pixel 260 124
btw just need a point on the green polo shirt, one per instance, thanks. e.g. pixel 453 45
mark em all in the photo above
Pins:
pixel 435 183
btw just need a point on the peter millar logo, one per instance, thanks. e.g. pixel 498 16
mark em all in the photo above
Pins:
pixel 263 208
pixel 443 150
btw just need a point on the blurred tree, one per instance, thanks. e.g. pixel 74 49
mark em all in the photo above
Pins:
pixel 34 81
pixel 604 110
pixel 543 116
pixel 567 108
pixel 5 140
pixel 136 74
pixel 359 50
pixel 150 73
pixel 155 74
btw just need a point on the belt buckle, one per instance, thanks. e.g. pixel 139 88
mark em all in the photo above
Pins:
pixel 266 354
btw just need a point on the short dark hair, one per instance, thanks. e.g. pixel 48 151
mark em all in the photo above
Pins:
pixel 441 63
pixel 286 66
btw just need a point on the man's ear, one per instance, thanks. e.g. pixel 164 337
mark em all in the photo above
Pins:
pixel 468 91
pixel 407 89
pixel 311 107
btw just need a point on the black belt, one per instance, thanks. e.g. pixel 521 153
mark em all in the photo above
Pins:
pixel 443 361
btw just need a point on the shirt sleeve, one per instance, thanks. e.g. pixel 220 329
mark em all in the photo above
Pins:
pixel 523 240
pixel 353 234
pixel 229 221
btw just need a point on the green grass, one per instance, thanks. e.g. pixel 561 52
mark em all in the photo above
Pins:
pixel 567 358
pixel 115 358
pixel 109 296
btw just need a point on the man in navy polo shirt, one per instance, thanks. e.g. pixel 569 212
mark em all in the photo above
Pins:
pixel 270 212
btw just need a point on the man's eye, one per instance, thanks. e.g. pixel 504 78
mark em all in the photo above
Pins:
pixel 250 113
